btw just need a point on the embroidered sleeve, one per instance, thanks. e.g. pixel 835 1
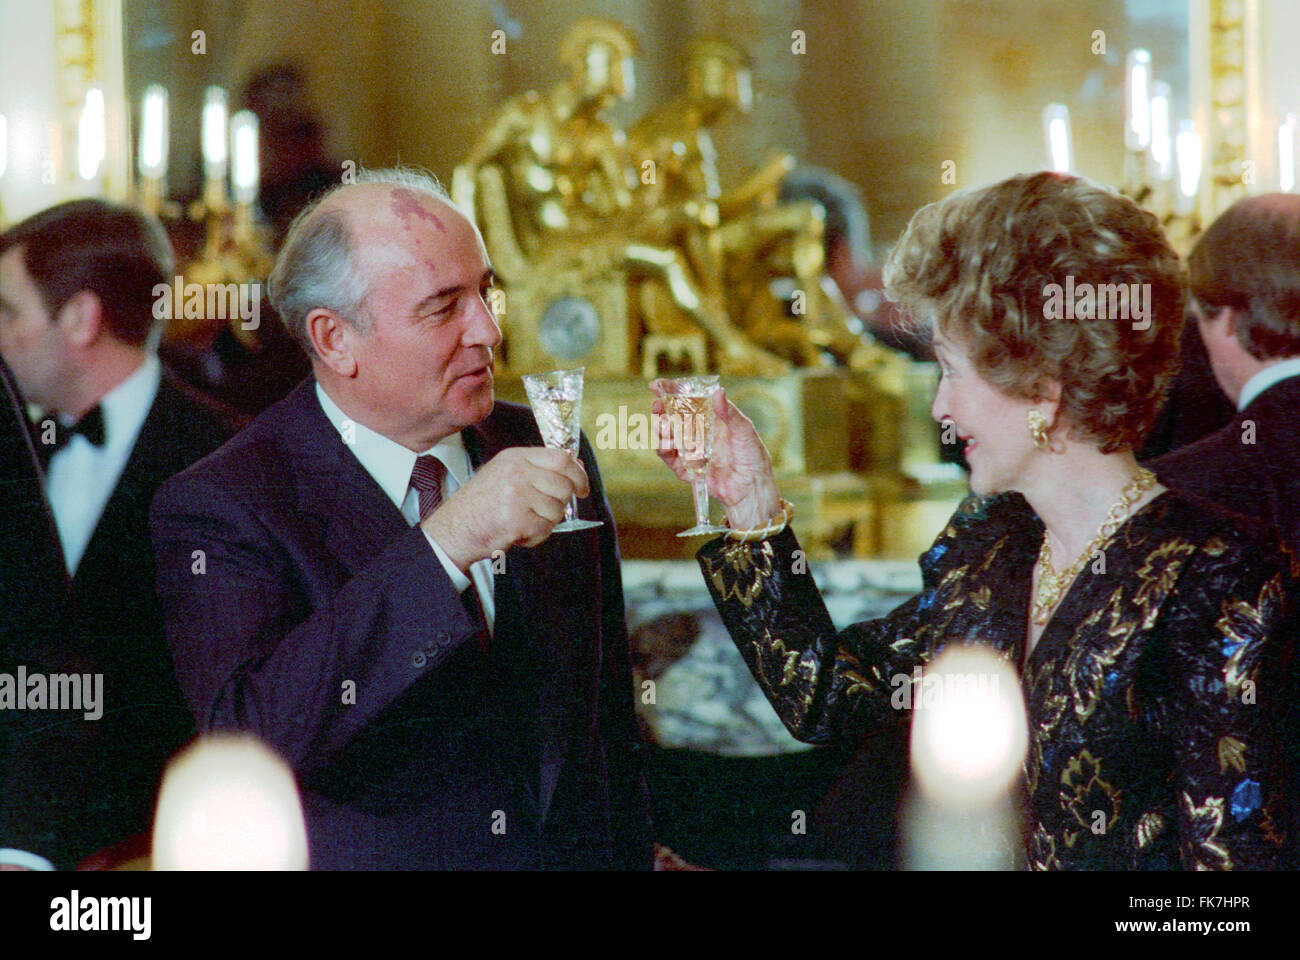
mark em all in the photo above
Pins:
pixel 1225 705
pixel 827 685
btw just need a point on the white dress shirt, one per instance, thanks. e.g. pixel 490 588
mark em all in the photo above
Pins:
pixel 1266 378
pixel 390 464
pixel 81 476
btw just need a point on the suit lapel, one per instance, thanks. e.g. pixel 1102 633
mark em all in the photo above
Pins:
pixel 149 463
pixel 359 519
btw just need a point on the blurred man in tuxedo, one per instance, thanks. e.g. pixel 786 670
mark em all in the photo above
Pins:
pixel 365 577
pixel 35 620
pixel 76 327
pixel 1245 285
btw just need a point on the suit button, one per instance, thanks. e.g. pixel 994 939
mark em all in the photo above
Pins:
pixel 418 660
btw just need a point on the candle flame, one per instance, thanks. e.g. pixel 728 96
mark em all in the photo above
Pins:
pixel 1286 137
pixel 91 135
pixel 229 803
pixel 153 133
pixel 969 732
pixel 1138 133
pixel 244 171
pixel 1188 146
pixel 215 152
pixel 1161 145
pixel 1056 121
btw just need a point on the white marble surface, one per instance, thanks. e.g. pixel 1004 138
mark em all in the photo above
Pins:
pixel 707 700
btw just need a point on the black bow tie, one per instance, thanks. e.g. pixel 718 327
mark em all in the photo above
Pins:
pixel 91 426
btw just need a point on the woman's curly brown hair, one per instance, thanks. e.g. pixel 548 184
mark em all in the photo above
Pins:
pixel 979 265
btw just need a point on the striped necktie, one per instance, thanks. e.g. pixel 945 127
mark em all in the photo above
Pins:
pixel 427 478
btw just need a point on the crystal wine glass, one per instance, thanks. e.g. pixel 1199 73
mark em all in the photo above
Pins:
pixel 688 401
pixel 556 399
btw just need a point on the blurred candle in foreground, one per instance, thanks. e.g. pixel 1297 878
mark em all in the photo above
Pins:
pixel 1161 142
pixel 4 144
pixel 229 803
pixel 1056 128
pixel 1286 136
pixel 152 161
pixel 1187 145
pixel 244 168
pixel 1137 130
pixel 91 135
pixel 969 737
pixel 215 149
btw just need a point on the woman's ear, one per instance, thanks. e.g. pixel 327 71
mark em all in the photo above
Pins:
pixel 1049 402
pixel 1049 399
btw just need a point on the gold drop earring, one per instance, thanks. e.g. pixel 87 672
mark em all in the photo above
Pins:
pixel 1038 429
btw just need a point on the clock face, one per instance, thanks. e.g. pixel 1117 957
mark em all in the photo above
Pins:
pixel 569 328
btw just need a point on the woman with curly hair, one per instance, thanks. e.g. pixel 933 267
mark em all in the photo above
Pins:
pixel 1149 627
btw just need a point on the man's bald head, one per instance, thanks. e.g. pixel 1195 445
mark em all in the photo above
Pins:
pixel 1249 260
pixel 335 246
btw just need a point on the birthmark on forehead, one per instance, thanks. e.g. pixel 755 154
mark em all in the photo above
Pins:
pixel 405 204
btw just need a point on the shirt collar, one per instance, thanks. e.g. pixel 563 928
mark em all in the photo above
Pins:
pixel 386 460
pixel 126 405
pixel 1269 376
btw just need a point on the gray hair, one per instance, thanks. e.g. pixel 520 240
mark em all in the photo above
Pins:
pixel 317 266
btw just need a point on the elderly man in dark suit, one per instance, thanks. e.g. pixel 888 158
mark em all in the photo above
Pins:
pixel 1245 284
pixel 366 578
pixel 77 319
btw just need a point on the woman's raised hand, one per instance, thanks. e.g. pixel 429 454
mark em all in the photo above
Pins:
pixel 740 469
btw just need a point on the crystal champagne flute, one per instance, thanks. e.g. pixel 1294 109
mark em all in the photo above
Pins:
pixel 556 399
pixel 688 402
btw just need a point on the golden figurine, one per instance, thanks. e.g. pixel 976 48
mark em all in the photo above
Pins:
pixel 623 253
pixel 744 242
pixel 551 188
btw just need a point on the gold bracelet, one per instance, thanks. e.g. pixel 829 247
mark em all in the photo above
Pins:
pixel 770 529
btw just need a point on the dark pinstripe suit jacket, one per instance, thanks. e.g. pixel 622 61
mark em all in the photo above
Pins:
pixel 524 758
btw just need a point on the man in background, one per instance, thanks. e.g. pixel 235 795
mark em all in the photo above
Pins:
pixel 77 326
pixel 1245 283
pixel 850 260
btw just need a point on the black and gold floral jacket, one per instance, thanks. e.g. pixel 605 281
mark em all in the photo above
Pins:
pixel 1153 695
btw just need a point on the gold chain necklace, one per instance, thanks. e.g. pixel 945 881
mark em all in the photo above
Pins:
pixel 1051 585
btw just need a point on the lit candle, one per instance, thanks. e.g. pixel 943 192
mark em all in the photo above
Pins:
pixel 1161 145
pixel 1056 128
pixel 1286 136
pixel 244 167
pixel 1137 132
pixel 91 135
pixel 969 737
pixel 229 803
pixel 215 151
pixel 1187 145
pixel 51 161
pixel 152 161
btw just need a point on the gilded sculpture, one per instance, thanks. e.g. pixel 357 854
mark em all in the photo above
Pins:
pixel 551 185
